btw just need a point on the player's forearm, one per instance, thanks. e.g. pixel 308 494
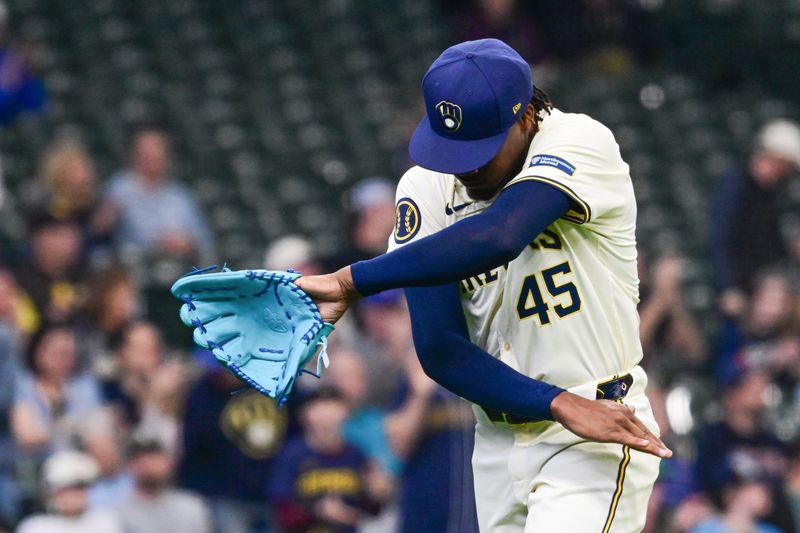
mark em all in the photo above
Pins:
pixel 473 245
pixel 449 358
pixel 476 376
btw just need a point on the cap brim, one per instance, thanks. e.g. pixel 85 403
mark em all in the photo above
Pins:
pixel 430 150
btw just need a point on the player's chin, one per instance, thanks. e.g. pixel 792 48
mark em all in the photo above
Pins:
pixel 482 194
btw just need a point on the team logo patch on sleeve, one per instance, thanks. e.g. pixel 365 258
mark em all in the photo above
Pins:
pixel 407 220
pixel 544 160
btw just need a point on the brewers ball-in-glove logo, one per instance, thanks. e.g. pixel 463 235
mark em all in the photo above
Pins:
pixel 254 424
pixel 407 220
pixel 450 114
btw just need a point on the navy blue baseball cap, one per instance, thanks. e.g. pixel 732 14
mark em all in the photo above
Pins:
pixel 474 92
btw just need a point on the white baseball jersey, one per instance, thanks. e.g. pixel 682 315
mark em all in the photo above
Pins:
pixel 568 312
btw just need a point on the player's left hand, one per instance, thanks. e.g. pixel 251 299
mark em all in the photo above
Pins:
pixel 333 293
pixel 606 421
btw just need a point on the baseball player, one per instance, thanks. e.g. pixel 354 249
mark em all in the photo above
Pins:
pixel 515 240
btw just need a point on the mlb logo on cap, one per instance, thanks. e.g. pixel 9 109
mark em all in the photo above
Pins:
pixel 474 92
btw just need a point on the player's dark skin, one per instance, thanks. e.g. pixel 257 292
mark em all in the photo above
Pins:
pixel 484 183
pixel 594 420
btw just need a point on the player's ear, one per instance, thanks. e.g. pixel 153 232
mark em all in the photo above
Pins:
pixel 528 119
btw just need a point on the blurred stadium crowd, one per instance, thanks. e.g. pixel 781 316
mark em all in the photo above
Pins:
pixel 111 421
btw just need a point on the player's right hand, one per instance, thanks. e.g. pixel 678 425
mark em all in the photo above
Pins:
pixel 606 421
pixel 333 293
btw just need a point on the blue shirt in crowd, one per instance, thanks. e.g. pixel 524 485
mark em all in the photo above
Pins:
pixel 148 212
pixel 302 476
pixel 20 90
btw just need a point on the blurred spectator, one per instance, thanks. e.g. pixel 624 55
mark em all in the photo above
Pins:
pixel 53 398
pixel 694 510
pixel 229 443
pixel 69 177
pixel 148 388
pixel 20 89
pixel 69 191
pixel 154 212
pixel 384 319
pixel 67 477
pixel 156 507
pixel 321 483
pixel 292 252
pixel 111 305
pixel 668 332
pixel 384 340
pixel 9 375
pixel 16 310
pixel 613 31
pixel 371 222
pixel 765 337
pixel 741 448
pixel 746 504
pixel 431 429
pixel 365 427
pixel 611 34
pixel 677 502
pixel 792 487
pixel 53 277
pixel 114 483
pixel 507 20
pixel 746 233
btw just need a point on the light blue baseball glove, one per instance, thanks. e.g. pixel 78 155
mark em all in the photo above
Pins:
pixel 257 323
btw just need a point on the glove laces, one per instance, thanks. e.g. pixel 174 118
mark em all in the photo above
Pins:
pixel 323 359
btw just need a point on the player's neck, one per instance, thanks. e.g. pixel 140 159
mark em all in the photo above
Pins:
pixel 519 165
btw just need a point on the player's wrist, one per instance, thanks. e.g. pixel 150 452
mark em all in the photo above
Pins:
pixel 344 276
pixel 562 404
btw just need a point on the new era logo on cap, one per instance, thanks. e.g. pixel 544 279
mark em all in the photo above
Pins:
pixel 469 91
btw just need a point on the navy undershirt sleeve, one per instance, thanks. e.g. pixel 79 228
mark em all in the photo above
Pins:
pixel 476 244
pixel 448 356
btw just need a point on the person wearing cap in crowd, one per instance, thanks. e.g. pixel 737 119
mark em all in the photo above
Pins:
pixel 370 222
pixel 745 223
pixel 154 506
pixel 292 251
pixel 67 476
pixel 515 241
pixel 320 482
